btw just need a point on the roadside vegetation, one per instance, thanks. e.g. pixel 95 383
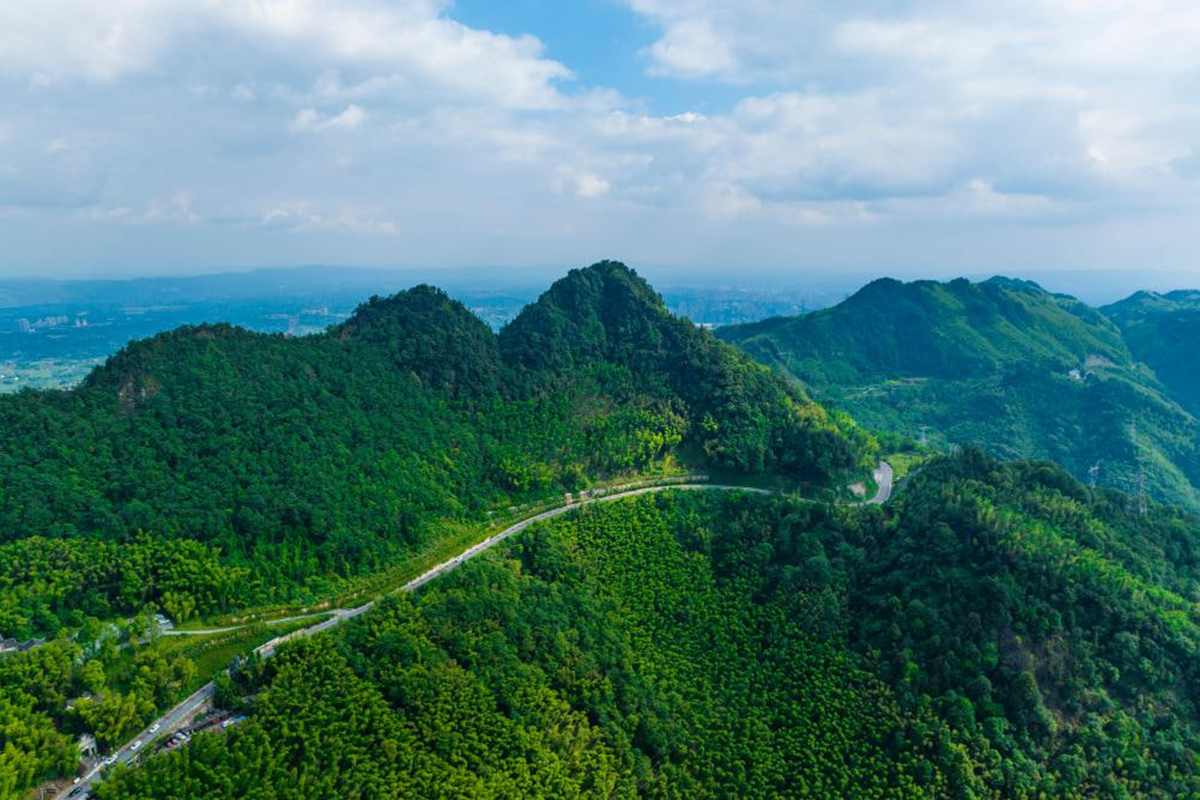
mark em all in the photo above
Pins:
pixel 1002 632
pixel 212 471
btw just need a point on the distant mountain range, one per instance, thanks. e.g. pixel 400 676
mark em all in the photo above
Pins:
pixel 1109 393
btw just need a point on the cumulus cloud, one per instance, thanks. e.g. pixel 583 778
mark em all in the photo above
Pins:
pixel 767 121
pixel 691 48
pixel 1124 70
pixel 59 40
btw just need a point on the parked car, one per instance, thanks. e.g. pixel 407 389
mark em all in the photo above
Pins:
pixel 154 728
pixel 136 745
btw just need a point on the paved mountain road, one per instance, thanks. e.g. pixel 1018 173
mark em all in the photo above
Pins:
pixel 175 718
pixel 180 714
pixel 883 478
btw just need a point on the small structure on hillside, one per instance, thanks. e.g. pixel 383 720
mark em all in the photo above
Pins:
pixel 87 746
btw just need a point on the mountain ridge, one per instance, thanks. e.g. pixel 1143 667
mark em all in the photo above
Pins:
pixel 1002 363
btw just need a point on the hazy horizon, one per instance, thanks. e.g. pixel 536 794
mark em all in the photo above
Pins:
pixel 1096 287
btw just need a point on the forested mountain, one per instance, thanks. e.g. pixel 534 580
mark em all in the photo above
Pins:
pixel 300 460
pixel 1163 330
pixel 998 631
pixel 1002 632
pixel 1002 363
pixel 211 469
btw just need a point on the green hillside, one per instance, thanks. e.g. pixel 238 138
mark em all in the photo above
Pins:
pixel 1002 633
pixel 1002 363
pixel 211 469
pixel 998 631
pixel 1163 331
pixel 306 460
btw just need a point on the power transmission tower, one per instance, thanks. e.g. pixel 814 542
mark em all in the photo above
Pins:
pixel 1143 501
pixel 1094 475
pixel 1139 501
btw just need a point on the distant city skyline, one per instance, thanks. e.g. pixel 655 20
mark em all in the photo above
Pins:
pixel 914 139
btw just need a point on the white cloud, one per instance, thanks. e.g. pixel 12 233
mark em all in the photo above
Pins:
pixel 799 120
pixel 60 40
pixel 309 119
pixel 1046 97
pixel 581 183
pixel 301 216
pixel 691 48
pixel 177 209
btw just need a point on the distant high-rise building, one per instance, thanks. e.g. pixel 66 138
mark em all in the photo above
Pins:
pixel 24 325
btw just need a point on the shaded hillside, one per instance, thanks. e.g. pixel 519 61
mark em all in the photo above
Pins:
pixel 1001 363
pixel 1053 631
pixel 1163 330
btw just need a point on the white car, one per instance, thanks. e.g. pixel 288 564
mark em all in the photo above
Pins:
pixel 136 745
pixel 154 728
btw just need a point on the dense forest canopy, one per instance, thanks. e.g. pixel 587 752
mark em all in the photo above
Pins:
pixel 998 631
pixel 1004 364
pixel 211 469
pixel 303 459
pixel 1003 633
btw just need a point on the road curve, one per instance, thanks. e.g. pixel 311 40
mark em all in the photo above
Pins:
pixel 883 478
pixel 177 716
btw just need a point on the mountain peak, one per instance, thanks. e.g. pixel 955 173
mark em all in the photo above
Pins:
pixel 596 313
pixel 428 332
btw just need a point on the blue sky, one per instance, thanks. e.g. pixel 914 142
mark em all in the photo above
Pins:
pixel 912 137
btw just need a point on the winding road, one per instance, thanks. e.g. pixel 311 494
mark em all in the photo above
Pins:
pixel 179 715
pixel 175 718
